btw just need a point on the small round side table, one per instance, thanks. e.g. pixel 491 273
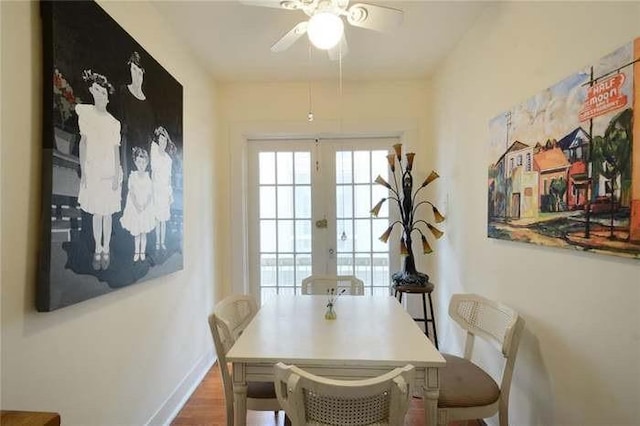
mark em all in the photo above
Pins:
pixel 425 291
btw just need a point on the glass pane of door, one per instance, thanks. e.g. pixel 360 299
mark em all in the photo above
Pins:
pixel 284 219
pixel 309 212
pixel 358 250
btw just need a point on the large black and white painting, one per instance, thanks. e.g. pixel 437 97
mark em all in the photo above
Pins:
pixel 112 159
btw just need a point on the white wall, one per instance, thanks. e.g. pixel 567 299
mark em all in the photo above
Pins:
pixel 579 361
pixel 118 358
pixel 268 109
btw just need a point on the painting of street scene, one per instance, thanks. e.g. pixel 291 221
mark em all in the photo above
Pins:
pixel 564 165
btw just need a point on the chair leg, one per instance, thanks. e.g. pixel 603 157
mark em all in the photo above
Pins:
pixel 426 318
pixel 433 323
pixel 230 416
pixel 503 417
pixel 503 409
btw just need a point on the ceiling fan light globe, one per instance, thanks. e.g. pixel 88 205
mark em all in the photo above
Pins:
pixel 325 30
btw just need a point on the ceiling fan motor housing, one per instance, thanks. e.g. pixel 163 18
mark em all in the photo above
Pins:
pixel 363 15
pixel 290 4
pixel 311 7
pixel 356 14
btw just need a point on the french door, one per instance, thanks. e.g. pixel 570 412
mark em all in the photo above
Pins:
pixel 309 212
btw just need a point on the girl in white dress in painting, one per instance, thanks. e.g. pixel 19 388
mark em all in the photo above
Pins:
pixel 161 149
pixel 101 175
pixel 138 217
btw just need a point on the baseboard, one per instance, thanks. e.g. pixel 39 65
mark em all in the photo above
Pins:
pixel 174 403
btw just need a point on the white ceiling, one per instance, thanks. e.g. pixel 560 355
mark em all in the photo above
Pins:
pixel 234 40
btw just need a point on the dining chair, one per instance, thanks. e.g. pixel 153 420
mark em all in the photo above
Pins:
pixel 313 400
pixel 322 284
pixel 466 390
pixel 228 321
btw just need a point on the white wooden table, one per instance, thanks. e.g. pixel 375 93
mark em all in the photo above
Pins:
pixel 370 336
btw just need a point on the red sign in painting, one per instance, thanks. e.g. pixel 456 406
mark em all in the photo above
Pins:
pixel 603 97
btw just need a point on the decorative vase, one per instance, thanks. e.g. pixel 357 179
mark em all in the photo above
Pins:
pixel 330 314
pixel 409 276
pixel 404 196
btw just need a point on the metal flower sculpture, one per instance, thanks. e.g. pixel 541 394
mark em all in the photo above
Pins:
pixel 402 193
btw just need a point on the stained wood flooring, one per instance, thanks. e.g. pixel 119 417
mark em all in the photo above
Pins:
pixel 206 407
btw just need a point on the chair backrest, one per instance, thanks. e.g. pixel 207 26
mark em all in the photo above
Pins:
pixel 229 319
pixel 310 400
pixel 497 323
pixel 322 284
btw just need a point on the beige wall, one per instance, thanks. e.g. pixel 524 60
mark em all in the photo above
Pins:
pixel 280 109
pixel 579 362
pixel 119 358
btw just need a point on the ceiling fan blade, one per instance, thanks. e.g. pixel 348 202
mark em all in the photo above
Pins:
pixel 289 38
pixel 374 17
pixel 262 3
pixel 341 48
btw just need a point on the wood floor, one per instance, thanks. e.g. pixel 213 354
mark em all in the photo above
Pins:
pixel 206 407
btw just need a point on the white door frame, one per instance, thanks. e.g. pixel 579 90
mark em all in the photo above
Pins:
pixel 239 136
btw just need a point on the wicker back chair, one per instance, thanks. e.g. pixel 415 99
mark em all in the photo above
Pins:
pixel 322 284
pixel 467 391
pixel 312 400
pixel 228 321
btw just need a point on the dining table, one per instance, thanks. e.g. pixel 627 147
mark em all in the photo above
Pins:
pixel 369 336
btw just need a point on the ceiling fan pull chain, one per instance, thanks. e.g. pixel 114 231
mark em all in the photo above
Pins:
pixel 340 66
pixel 340 87
pixel 310 114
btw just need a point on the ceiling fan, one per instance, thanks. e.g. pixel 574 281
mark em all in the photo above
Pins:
pixel 325 26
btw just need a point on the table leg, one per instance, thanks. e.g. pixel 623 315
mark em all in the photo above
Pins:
pixel 430 394
pixel 239 394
